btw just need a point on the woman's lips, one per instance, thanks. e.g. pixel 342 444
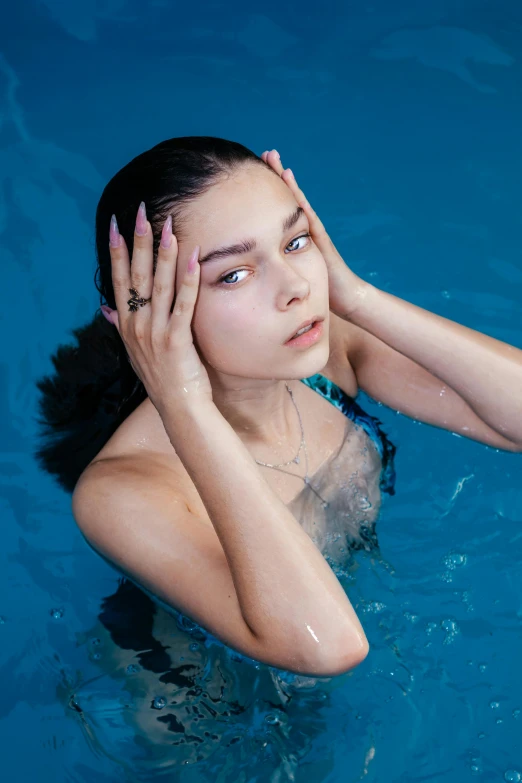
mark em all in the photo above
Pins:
pixel 308 338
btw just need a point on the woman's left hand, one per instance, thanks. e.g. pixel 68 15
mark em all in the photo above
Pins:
pixel 346 289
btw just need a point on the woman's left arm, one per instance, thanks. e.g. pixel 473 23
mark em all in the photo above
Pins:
pixel 436 370
pixel 421 364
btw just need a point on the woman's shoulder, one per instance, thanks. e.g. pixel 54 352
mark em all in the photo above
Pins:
pixel 141 434
pixel 140 446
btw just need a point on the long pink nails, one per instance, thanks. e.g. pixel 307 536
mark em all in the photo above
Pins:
pixel 193 261
pixel 106 312
pixel 141 220
pixel 166 234
pixel 114 234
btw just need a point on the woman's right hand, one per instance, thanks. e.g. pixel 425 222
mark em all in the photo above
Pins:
pixel 159 342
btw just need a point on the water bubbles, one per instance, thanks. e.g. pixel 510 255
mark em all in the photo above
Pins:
pixel 185 623
pixel 495 705
pixel 96 656
pixel 159 702
pixel 132 668
pixel 454 560
pixel 430 627
pixel 273 720
pixel 449 625
pixel 374 607
pixel 482 667
pixel 2 620
pixel 57 614
pixel 411 617
pixel 95 641
pixel 516 714
pixel 452 629
pixel 512 775
pixel 481 735
pixel 445 294
pixel 194 646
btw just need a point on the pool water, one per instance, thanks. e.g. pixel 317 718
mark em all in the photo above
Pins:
pixel 401 122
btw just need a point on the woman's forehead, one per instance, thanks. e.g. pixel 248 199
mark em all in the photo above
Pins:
pixel 251 199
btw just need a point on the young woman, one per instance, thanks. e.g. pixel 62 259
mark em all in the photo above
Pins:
pixel 218 460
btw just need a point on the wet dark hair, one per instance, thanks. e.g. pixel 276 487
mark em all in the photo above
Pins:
pixel 94 388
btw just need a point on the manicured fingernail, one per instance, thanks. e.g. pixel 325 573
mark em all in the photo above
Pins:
pixel 193 261
pixel 114 234
pixel 166 234
pixel 141 220
pixel 106 312
pixel 277 153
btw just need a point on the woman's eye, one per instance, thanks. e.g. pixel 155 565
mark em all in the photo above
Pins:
pixel 233 282
pixel 230 283
pixel 303 236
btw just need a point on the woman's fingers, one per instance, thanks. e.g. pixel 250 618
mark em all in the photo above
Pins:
pixel 142 275
pixel 181 318
pixel 317 229
pixel 163 287
pixel 120 271
pixel 272 158
pixel 274 161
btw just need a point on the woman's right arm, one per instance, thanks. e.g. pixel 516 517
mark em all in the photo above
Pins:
pixel 259 583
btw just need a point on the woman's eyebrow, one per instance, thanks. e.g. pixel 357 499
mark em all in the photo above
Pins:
pixel 247 245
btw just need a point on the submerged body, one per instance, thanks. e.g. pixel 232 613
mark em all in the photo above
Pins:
pixel 339 507
pixel 201 690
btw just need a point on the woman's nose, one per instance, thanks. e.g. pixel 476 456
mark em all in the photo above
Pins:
pixel 293 284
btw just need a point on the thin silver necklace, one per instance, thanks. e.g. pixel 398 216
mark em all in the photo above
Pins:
pixel 296 459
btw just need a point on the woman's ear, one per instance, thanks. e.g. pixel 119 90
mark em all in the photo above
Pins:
pixel 111 316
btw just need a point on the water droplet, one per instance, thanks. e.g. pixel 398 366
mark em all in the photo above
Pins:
pixel 159 702
pixel 512 775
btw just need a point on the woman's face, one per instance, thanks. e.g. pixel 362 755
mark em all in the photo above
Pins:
pixel 251 302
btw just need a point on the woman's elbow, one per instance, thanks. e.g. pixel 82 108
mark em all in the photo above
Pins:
pixel 351 656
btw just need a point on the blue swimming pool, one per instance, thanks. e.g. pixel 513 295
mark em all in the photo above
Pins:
pixel 401 121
